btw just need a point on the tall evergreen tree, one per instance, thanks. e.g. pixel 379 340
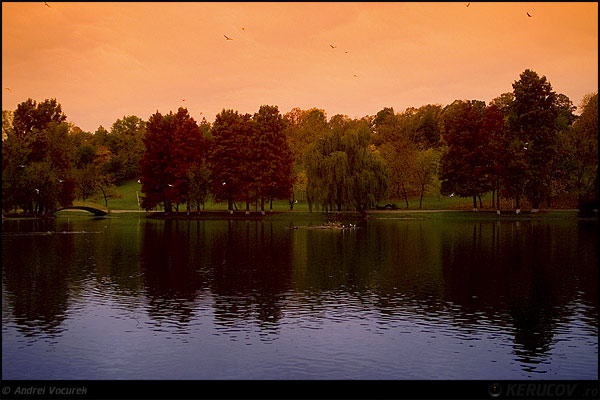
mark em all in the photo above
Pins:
pixel 532 124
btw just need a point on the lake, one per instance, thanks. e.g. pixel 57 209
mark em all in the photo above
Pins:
pixel 402 299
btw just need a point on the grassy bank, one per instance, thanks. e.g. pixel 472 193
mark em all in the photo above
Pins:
pixel 127 205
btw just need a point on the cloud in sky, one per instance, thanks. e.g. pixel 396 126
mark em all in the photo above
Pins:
pixel 103 61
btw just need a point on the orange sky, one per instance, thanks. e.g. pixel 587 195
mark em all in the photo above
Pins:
pixel 103 61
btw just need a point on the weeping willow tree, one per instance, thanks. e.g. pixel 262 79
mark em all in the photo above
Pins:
pixel 342 170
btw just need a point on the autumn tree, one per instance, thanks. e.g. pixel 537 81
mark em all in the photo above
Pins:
pixel 230 158
pixel 464 164
pixel 173 143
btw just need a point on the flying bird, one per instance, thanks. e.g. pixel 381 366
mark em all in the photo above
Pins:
pixel 47 5
pixel 467 5
pixel 529 15
pixel 227 37
pixel 346 52
pixel 356 76
pixel 243 28
pixel 182 99
pixel 332 46
pixel 7 89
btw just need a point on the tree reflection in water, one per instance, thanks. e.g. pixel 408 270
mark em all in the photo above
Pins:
pixel 532 280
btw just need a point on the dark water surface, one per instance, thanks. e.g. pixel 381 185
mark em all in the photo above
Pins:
pixel 129 298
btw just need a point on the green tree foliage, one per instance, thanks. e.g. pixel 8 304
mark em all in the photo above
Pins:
pixel 560 166
pixel 303 127
pixel 424 123
pixel 126 144
pixel 508 151
pixel 499 159
pixel 273 157
pixel 401 157
pixel 199 182
pixel 532 122
pixel 92 171
pixel 584 142
pixel 37 153
pixel 465 169
pixel 386 127
pixel 173 144
pixel 342 170
pixel 426 171
pixel 199 176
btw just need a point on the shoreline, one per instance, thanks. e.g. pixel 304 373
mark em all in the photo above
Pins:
pixel 344 215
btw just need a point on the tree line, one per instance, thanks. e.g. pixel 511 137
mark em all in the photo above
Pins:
pixel 525 144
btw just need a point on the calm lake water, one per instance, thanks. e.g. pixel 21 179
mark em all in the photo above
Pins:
pixel 131 298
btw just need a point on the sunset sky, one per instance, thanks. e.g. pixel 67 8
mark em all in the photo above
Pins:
pixel 103 61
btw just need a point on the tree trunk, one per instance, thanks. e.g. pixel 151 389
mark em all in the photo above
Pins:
pixel 230 205
pixel 262 205
pixel 405 196
pixel 518 204
pixel 247 208
pixel 480 203
pixel 535 201
pixel 498 200
pixel 494 198
pixel 474 203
